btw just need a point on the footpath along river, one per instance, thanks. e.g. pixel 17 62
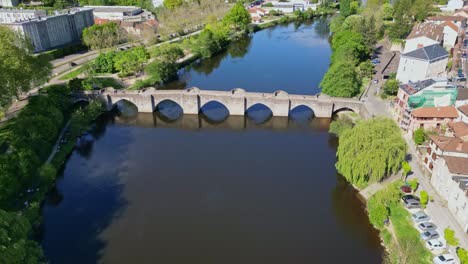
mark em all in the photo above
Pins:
pixel 171 188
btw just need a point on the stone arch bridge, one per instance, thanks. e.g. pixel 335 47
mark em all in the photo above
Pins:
pixel 237 101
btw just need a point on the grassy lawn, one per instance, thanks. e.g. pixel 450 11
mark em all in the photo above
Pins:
pixel 108 82
pixel 405 231
pixel 73 74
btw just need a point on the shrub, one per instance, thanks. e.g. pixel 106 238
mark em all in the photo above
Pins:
pixel 340 125
pixel 413 184
pixel 449 235
pixel 419 136
pixel 406 168
pixel 424 198
pixel 463 255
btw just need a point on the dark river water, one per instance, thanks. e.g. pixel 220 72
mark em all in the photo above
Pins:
pixel 151 189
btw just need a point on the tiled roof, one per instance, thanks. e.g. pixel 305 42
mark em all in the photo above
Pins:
pixel 462 94
pixel 428 53
pixel 437 112
pixel 457 165
pixel 464 109
pixel 427 29
pixel 451 144
pixel 414 87
pixel 460 129
pixel 446 18
pixel 451 25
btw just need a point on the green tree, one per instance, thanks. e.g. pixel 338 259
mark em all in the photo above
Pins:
pixel 368 30
pixel 131 61
pixel 353 23
pixel 387 11
pixel 366 69
pixel 424 198
pixel 406 167
pixel 420 9
pixel 238 17
pixel 100 36
pixel 336 23
pixel 419 136
pixel 390 87
pixel 104 63
pixel 372 149
pixel 403 19
pixel 350 43
pixel 340 125
pixel 462 255
pixel 171 4
pixel 354 7
pixel 449 235
pixel 413 184
pixel 345 8
pixel 47 174
pixel 206 44
pixel 340 80
pixel 19 69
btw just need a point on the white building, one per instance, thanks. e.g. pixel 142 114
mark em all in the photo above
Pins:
pixel 452 5
pixel 9 3
pixel 158 3
pixel 451 33
pixel 450 180
pixel 423 35
pixel 120 13
pixel 57 30
pixel 293 5
pixel 423 63
pixel 16 15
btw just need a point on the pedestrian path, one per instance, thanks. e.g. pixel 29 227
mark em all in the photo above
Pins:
pixel 377 186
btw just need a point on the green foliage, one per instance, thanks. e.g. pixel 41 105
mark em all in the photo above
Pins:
pixel 341 80
pixel 354 7
pixel 366 69
pixel 390 87
pixel 387 11
pixel 420 9
pixel 336 23
pixel 372 149
pixel 352 23
pixel 104 63
pixel 424 198
pixel 406 167
pixel 345 8
pixel 403 19
pixel 47 174
pixel 348 46
pixel 100 36
pixel 419 136
pixel 14 244
pixel 19 68
pixel 413 184
pixel 340 125
pixel 238 17
pixel 449 235
pixel 378 204
pixel 462 255
pixel 171 4
pixel 131 61
pixel 206 44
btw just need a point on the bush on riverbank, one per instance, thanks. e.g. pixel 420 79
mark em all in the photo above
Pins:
pixel 369 151
pixel 340 125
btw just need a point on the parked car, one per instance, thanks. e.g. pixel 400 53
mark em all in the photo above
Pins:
pixel 429 234
pixel 373 57
pixel 411 203
pixel 375 61
pixel 427 226
pixel 406 189
pixel 409 197
pixel 420 217
pixel 434 244
pixel 444 259
pixel 375 81
pixel 464 55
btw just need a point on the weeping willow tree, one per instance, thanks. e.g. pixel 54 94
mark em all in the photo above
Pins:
pixel 369 151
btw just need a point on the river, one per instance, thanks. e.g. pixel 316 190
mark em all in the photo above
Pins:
pixel 151 189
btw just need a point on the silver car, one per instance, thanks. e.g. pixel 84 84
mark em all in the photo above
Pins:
pixel 427 226
pixel 429 234
pixel 420 217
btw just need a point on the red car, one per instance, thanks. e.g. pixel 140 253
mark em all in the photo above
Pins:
pixel 405 189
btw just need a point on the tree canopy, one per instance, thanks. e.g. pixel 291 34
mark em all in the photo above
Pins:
pixel 130 61
pixel 371 150
pixel 172 3
pixel 19 68
pixel 341 80
pixel 238 17
pixel 100 36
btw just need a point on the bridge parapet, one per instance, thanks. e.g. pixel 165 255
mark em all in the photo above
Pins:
pixel 237 101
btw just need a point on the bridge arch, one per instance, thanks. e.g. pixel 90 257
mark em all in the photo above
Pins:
pixel 344 109
pixel 302 111
pixel 259 112
pixel 156 102
pixel 126 107
pixel 168 110
pixel 214 111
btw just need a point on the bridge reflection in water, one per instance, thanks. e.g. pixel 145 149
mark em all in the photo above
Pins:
pixel 196 122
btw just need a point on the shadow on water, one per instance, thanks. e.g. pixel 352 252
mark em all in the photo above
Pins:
pixel 72 214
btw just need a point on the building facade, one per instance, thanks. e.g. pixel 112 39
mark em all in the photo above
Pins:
pixel 55 31
pixel 422 64
pixel 17 15
pixel 9 3
pixel 432 118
